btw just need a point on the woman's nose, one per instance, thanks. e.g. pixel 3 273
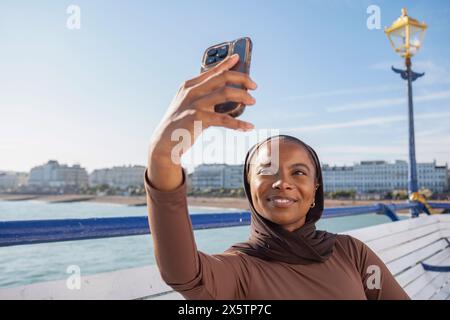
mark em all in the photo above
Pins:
pixel 282 184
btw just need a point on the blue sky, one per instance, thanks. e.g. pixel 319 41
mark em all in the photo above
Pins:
pixel 94 96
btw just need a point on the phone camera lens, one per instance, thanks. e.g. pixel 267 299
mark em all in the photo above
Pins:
pixel 212 52
pixel 210 60
pixel 222 52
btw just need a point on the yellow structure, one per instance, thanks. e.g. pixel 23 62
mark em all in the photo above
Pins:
pixel 416 196
pixel 406 35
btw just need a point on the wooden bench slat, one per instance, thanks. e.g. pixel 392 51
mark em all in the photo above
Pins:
pixel 445 233
pixel 379 231
pixel 412 259
pixel 421 283
pixel 397 239
pixel 138 282
pixel 444 225
pixel 435 284
pixel 443 294
pixel 443 217
pixel 168 296
pixel 409 247
pixel 410 275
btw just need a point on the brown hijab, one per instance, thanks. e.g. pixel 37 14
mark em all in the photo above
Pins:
pixel 270 241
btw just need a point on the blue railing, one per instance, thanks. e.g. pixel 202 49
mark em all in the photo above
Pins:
pixel 41 231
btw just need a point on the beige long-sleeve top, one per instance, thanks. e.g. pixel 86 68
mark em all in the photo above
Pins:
pixel 350 273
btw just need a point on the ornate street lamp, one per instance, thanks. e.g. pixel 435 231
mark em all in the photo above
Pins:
pixel 406 36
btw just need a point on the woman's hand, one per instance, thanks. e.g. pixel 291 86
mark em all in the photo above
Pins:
pixel 195 101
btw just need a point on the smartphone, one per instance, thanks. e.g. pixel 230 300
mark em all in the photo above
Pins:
pixel 216 53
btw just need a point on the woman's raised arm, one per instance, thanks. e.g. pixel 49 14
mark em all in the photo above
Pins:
pixel 192 273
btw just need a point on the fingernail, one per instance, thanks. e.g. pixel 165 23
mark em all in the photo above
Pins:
pixel 234 56
pixel 253 85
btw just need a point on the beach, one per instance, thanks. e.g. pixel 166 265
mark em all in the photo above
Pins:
pixel 210 202
pixel 238 203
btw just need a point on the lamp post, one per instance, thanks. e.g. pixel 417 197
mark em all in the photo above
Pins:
pixel 406 36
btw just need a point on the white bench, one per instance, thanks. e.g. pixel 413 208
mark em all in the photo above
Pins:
pixel 402 245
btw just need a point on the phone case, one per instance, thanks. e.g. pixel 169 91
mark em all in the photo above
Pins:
pixel 216 53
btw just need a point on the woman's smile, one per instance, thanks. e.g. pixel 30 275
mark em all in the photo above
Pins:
pixel 281 201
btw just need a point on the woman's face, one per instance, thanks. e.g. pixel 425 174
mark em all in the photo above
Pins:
pixel 283 196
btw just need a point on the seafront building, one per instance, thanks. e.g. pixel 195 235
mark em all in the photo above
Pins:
pixel 363 177
pixel 53 175
pixel 10 180
pixel 120 177
pixel 217 176
pixel 381 176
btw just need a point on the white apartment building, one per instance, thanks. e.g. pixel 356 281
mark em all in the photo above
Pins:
pixel 121 177
pixel 365 177
pixel 10 180
pixel 380 176
pixel 55 175
pixel 217 176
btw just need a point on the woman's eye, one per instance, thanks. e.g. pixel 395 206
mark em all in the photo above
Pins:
pixel 299 173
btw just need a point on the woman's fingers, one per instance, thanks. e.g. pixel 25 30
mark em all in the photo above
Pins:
pixel 222 95
pixel 221 79
pixel 214 119
pixel 226 121
pixel 226 64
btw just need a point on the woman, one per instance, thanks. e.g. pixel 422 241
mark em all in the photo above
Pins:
pixel 285 257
